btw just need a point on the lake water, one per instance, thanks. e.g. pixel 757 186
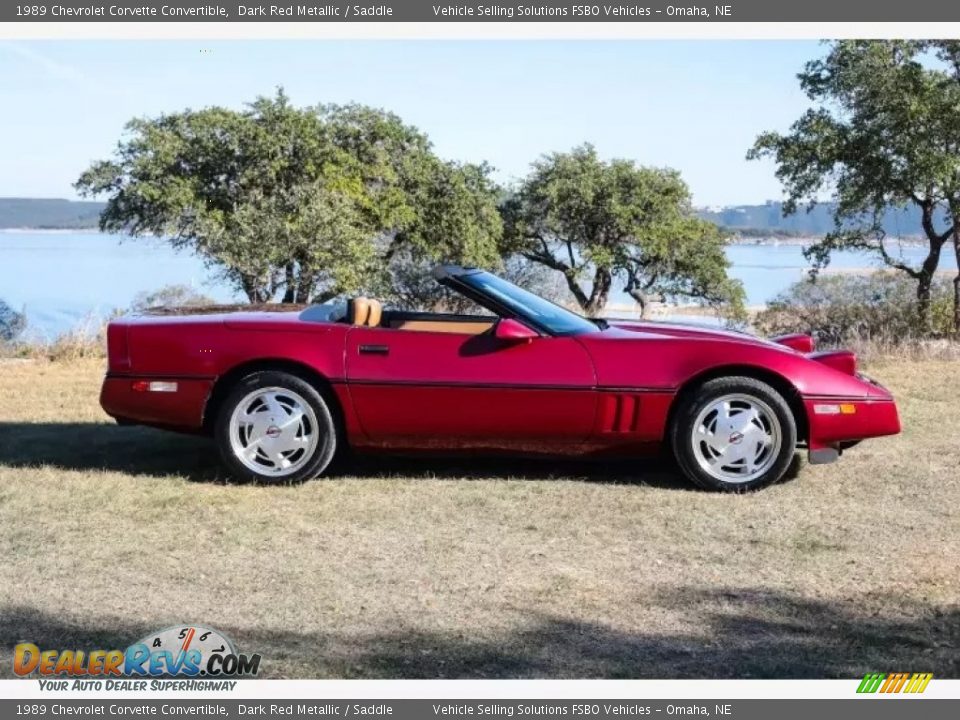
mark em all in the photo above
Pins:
pixel 64 279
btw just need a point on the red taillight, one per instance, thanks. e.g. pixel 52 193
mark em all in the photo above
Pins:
pixel 153 386
pixel 842 360
pixel 118 351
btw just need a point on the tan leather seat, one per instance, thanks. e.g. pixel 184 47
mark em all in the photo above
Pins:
pixel 358 310
pixel 364 311
pixel 376 312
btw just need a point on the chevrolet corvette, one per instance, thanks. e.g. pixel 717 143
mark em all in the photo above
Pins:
pixel 282 390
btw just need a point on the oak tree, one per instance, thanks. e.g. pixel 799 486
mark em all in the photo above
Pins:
pixel 884 132
pixel 297 203
pixel 607 224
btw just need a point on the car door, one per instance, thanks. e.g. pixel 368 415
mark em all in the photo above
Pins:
pixel 417 388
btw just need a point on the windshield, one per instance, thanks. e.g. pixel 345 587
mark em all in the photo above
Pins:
pixel 551 317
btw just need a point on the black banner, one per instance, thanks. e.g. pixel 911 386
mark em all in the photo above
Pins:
pixel 853 709
pixel 472 11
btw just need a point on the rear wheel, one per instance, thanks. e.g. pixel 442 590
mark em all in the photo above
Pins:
pixel 734 434
pixel 275 427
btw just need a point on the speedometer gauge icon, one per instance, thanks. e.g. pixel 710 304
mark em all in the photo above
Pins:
pixel 181 639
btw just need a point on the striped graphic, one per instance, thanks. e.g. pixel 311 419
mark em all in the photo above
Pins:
pixel 895 683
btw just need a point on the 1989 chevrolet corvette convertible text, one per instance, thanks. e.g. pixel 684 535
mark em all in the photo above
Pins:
pixel 281 392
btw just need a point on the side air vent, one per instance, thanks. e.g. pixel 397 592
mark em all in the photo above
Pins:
pixel 619 413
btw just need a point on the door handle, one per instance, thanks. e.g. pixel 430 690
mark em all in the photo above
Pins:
pixel 374 349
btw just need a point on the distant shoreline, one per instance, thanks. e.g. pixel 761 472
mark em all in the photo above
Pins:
pixel 806 241
pixel 51 231
pixel 769 241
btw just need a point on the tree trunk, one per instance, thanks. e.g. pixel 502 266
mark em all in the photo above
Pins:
pixel 253 288
pixel 643 300
pixel 578 294
pixel 305 285
pixel 290 284
pixel 956 304
pixel 932 261
pixel 924 286
pixel 956 281
pixel 602 281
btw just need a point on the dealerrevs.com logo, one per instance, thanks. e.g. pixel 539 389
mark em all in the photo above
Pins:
pixel 180 651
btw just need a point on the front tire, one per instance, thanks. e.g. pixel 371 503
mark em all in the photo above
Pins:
pixel 734 434
pixel 275 427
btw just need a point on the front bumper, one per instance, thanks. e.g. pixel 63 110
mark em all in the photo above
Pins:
pixel 859 419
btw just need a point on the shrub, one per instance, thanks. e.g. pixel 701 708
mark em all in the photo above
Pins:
pixel 12 323
pixel 87 339
pixel 847 309
pixel 170 296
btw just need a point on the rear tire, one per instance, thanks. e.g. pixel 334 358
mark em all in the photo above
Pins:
pixel 275 427
pixel 733 434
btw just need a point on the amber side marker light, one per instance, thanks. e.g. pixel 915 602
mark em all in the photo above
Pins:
pixel 844 409
pixel 153 386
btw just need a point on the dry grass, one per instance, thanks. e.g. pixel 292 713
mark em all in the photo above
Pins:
pixel 439 569
pixel 86 341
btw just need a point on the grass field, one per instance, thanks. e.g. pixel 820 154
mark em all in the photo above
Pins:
pixel 402 568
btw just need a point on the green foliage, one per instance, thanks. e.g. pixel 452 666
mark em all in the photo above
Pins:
pixel 308 202
pixel 12 323
pixel 883 133
pixel 457 218
pixel 170 296
pixel 599 222
pixel 456 221
pixel 844 309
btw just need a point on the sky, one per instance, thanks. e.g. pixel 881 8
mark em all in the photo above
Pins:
pixel 696 106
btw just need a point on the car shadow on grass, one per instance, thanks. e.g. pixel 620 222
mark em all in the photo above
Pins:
pixel 86 447
pixel 146 452
pixel 739 633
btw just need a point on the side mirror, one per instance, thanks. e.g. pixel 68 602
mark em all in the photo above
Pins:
pixel 510 330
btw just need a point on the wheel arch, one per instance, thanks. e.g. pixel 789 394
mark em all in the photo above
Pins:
pixel 224 383
pixel 778 382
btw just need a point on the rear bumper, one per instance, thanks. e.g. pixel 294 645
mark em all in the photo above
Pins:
pixel 181 409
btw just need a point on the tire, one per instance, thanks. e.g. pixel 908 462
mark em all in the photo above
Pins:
pixel 733 434
pixel 275 427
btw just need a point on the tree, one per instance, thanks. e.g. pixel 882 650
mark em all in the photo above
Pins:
pixel 458 221
pixel 884 132
pixel 12 323
pixel 599 223
pixel 301 203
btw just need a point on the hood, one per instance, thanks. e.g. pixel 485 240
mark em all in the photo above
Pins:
pixel 693 332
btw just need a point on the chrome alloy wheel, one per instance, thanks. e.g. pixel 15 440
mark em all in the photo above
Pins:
pixel 736 438
pixel 273 431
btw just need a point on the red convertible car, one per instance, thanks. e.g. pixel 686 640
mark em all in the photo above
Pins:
pixel 281 392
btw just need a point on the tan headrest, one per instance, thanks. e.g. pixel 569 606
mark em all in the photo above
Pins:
pixel 359 311
pixel 376 312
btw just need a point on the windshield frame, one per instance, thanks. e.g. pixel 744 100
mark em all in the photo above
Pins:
pixel 513 301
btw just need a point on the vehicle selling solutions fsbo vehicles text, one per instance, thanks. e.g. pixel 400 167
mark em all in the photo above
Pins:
pixel 574 11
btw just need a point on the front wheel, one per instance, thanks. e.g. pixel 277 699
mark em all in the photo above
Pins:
pixel 275 427
pixel 734 434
